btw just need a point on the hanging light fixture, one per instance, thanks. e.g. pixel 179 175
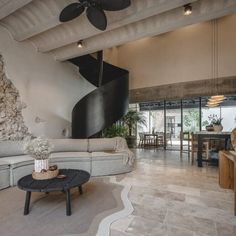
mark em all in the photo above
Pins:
pixel 209 104
pixel 219 98
pixel 210 100
pixel 213 103
pixel 215 100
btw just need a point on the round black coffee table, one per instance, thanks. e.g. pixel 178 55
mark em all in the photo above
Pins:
pixel 74 178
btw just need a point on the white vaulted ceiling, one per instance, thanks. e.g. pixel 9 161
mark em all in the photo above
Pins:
pixel 38 22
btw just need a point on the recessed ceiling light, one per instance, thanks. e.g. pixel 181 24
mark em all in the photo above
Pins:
pixel 187 9
pixel 80 44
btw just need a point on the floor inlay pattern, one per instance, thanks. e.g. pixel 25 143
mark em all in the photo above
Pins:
pixel 104 226
pixel 172 197
pixel 169 197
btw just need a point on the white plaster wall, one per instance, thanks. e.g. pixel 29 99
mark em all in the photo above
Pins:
pixel 227 45
pixel 181 55
pixel 49 88
pixel 110 55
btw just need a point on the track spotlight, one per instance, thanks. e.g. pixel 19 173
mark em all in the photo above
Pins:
pixel 187 9
pixel 80 44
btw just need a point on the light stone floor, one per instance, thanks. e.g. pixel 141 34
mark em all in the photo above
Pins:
pixel 172 197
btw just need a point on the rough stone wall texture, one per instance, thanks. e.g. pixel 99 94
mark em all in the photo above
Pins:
pixel 12 125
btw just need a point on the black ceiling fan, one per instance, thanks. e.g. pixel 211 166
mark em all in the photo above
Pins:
pixel 94 10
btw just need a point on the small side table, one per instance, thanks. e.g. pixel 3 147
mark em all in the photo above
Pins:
pixel 74 178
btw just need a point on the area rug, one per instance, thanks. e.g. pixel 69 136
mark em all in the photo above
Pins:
pixel 100 199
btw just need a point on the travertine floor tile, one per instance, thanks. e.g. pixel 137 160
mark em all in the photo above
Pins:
pixel 192 223
pixel 225 229
pixel 150 212
pixel 172 197
pixel 146 227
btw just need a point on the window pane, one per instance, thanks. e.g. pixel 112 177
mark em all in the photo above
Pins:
pixel 191 117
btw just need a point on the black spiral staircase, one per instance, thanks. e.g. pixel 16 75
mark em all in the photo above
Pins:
pixel 106 104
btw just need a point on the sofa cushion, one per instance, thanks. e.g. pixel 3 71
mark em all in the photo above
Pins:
pixel 3 165
pixel 108 155
pixel 69 145
pixel 101 144
pixel 11 148
pixel 16 161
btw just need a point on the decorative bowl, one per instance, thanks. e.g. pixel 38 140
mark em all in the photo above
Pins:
pixel 209 128
pixel 47 174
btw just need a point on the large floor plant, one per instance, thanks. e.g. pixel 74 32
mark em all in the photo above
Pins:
pixel 131 120
pixel 116 130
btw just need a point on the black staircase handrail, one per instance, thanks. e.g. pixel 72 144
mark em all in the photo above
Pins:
pixel 89 69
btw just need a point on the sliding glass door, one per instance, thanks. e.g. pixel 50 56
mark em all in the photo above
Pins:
pixel 173 124
pixel 170 118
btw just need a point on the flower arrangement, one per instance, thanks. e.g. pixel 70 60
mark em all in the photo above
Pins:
pixel 215 120
pixel 39 148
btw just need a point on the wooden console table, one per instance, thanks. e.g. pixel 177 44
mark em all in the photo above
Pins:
pixel 227 172
pixel 202 135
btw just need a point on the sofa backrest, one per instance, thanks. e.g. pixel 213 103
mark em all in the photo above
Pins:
pixel 11 148
pixel 69 145
pixel 101 144
pixel 15 148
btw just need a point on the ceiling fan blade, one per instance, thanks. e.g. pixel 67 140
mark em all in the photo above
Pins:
pixel 71 11
pixel 97 17
pixel 113 5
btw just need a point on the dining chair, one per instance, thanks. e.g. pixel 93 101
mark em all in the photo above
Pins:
pixel 194 147
pixel 141 139
pixel 160 139
pixel 148 140
pixel 185 136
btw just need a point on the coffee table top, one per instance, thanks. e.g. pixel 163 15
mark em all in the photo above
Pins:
pixel 74 178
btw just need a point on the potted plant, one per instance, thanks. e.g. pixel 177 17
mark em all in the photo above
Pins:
pixel 40 150
pixel 216 122
pixel 116 130
pixel 131 119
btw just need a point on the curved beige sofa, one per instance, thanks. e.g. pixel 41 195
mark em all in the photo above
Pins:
pixel 104 156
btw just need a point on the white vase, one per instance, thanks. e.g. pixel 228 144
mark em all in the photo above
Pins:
pixel 41 164
pixel 218 128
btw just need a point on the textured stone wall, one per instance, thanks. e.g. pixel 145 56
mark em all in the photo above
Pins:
pixel 12 125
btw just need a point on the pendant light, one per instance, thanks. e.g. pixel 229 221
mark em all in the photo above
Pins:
pixel 213 103
pixel 219 98
pixel 211 106
pixel 215 100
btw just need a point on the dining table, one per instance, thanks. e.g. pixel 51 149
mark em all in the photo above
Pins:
pixel 203 135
